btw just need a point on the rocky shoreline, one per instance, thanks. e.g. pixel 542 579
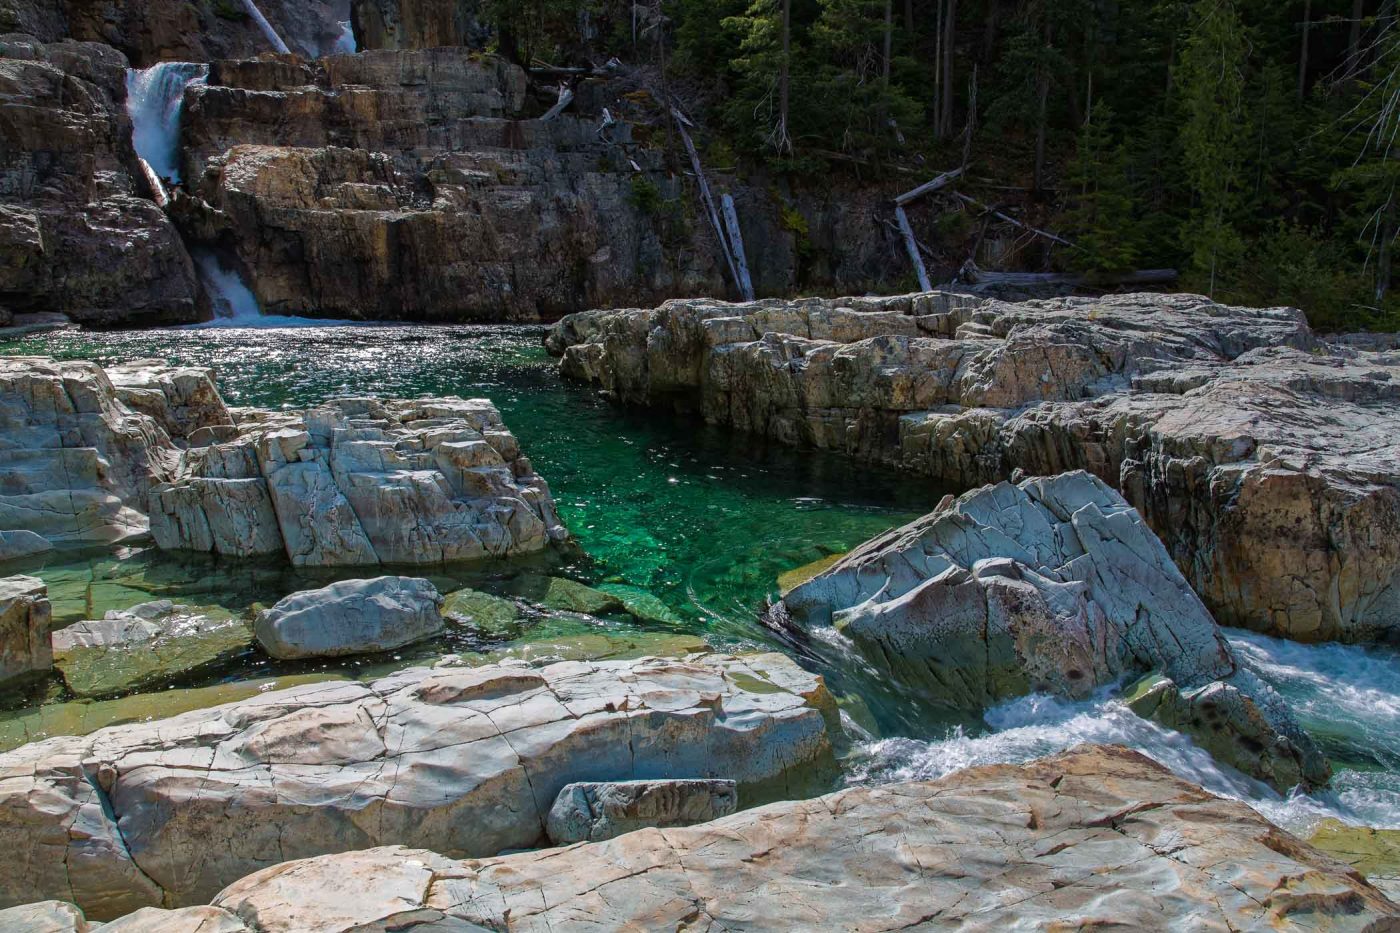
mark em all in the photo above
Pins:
pixel 1264 457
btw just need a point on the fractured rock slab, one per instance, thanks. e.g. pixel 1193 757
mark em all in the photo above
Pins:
pixel 465 761
pixel 25 619
pixel 593 812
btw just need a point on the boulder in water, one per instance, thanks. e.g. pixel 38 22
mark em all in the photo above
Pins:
pixel 1058 585
pixel 25 618
pixel 595 811
pixel 145 646
pixel 350 617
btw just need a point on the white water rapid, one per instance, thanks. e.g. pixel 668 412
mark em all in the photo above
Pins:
pixel 234 303
pixel 1348 697
pixel 155 97
pixel 266 27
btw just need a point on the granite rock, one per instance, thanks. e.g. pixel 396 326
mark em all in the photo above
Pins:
pixel 25 619
pixel 593 812
pixel 350 617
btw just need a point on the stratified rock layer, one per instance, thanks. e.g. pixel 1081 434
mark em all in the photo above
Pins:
pixel 466 762
pixel 91 458
pixel 1265 459
pixel 359 481
pixel 1054 585
pixel 77 234
pixel 1098 837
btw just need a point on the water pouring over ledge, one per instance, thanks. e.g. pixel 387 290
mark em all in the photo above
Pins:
pixel 155 99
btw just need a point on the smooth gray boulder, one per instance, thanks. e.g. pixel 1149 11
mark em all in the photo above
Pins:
pixel 594 811
pixel 350 617
pixel 22 542
pixel 463 761
pixel 25 619
pixel 1096 838
pixel 1057 585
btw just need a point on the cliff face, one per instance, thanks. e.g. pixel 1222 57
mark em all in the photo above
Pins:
pixel 77 233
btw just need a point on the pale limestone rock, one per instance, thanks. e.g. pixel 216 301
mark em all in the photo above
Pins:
pixel 350 617
pixel 22 543
pixel 182 399
pixel 185 920
pixel 1055 585
pixel 78 463
pixel 360 481
pixel 1097 837
pixel 594 811
pixel 1266 460
pixel 466 762
pixel 44 917
pixel 25 619
pixel 145 646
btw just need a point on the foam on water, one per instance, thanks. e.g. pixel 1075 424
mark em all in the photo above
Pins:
pixel 155 98
pixel 1347 697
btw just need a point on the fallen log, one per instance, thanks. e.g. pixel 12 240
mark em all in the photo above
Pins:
pixel 928 187
pixel 912 245
pixel 1011 220
pixel 971 275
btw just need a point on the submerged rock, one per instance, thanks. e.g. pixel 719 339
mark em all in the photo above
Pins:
pixel 145 646
pixel 466 762
pixel 1373 852
pixel 1054 585
pixel 1098 837
pixel 350 617
pixel 489 615
pixel 1265 459
pixel 565 595
pixel 359 481
pixel 594 811
pixel 25 619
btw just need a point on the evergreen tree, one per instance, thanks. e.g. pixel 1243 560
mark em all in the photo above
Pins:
pixel 1101 212
pixel 1214 132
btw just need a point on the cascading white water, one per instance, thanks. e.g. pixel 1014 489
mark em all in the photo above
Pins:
pixel 155 97
pixel 266 27
pixel 1348 697
pixel 345 44
pixel 234 303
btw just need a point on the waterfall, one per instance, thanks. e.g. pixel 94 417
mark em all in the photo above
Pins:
pixel 266 27
pixel 345 45
pixel 155 97
pixel 234 302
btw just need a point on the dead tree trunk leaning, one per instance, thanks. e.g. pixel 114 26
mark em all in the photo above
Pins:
pixel 950 34
pixel 783 139
pixel 730 249
pixel 1303 50
pixel 911 245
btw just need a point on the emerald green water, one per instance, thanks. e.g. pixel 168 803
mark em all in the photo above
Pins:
pixel 700 519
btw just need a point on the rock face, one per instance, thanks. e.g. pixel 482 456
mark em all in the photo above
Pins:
pixel 351 482
pixel 466 762
pixel 1054 585
pixel 1265 459
pixel 1095 837
pixel 25 618
pixel 145 646
pixel 360 481
pixel 594 812
pixel 78 464
pixel 351 617
pixel 416 24
pixel 77 235
pixel 404 185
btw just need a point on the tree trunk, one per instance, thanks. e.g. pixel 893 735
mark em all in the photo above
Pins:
pixel 990 29
pixel 950 31
pixel 1043 93
pixel 1384 260
pixel 909 17
pixel 1303 51
pixel 938 73
pixel 785 80
pixel 1358 11
pixel 889 39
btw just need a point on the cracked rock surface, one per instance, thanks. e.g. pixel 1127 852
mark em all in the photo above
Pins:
pixel 1097 837
pixel 94 456
pixel 1056 585
pixel 466 762
pixel 1264 458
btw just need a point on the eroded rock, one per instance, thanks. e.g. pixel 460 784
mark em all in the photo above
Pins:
pixel 351 617
pixel 1094 837
pixel 593 812
pixel 466 762
pixel 25 619
pixel 1264 459
pixel 1056 585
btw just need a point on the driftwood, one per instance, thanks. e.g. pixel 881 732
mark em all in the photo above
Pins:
pixel 566 97
pixel 912 245
pixel 706 198
pixel 971 275
pixel 736 244
pixel 942 181
pixel 1011 220
pixel 153 182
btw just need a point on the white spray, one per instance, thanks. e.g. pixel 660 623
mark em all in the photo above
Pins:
pixel 266 27
pixel 155 98
pixel 233 300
